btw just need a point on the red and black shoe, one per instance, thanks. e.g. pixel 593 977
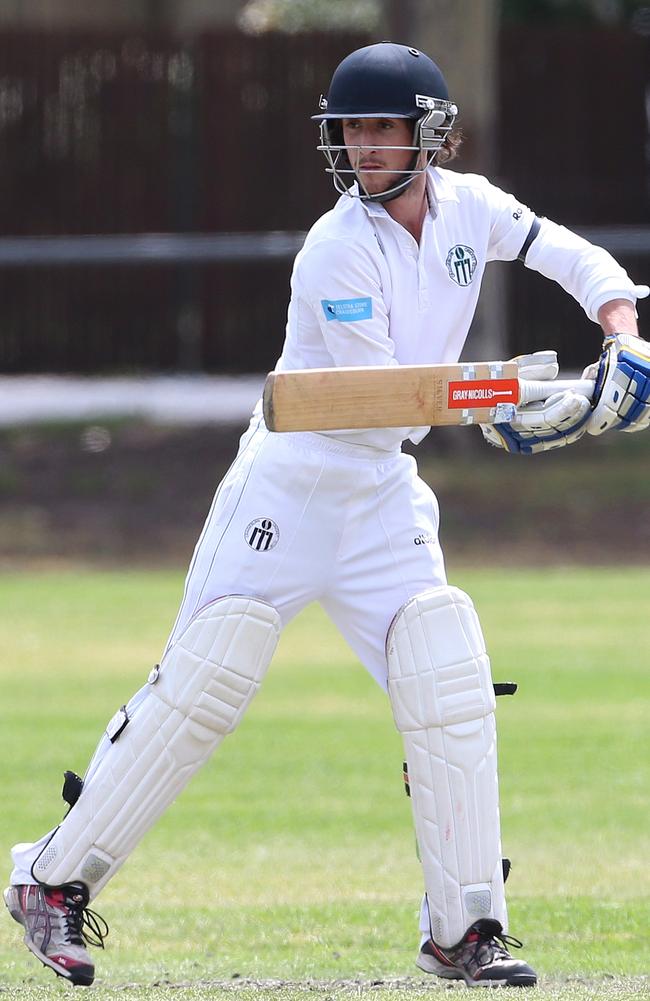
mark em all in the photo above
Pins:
pixel 58 925
pixel 481 958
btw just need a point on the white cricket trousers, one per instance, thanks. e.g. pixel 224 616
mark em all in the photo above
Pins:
pixel 301 518
pixel 306 517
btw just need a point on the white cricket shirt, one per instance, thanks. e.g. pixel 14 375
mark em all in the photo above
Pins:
pixel 363 292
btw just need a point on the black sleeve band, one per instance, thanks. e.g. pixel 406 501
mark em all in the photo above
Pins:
pixel 532 233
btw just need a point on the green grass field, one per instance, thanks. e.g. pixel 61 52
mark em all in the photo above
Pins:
pixel 287 868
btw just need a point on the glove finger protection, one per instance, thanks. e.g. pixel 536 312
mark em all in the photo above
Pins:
pixel 539 427
pixel 622 395
pixel 538 365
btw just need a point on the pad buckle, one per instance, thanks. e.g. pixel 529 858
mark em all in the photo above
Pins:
pixel 505 687
pixel 72 786
pixel 117 724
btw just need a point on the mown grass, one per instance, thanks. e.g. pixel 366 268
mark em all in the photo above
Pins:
pixel 287 867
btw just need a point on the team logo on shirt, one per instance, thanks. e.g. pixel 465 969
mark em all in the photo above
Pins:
pixel 262 535
pixel 461 264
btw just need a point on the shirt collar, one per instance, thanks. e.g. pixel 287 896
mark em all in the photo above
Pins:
pixel 439 189
pixel 372 208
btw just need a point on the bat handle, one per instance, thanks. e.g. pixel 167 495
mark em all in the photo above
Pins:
pixel 531 390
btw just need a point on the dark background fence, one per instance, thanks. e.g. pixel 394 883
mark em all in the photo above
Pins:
pixel 109 133
pixel 574 144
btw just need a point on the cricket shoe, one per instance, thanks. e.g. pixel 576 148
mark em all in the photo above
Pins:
pixel 58 925
pixel 481 958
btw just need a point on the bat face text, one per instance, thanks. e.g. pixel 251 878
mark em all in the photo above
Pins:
pixel 481 392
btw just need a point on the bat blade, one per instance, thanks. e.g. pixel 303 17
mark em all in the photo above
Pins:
pixel 329 399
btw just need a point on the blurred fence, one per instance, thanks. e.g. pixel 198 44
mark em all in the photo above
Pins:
pixel 112 134
pixel 575 145
pixel 123 134
pixel 148 301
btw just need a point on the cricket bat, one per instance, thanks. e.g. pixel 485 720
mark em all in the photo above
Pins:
pixel 331 399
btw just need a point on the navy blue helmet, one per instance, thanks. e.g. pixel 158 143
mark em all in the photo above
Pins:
pixel 385 80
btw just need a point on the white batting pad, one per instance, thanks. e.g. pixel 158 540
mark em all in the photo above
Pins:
pixel 441 692
pixel 205 683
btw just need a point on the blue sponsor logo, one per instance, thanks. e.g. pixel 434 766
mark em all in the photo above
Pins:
pixel 347 310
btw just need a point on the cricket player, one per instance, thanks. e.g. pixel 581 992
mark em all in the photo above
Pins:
pixel 389 276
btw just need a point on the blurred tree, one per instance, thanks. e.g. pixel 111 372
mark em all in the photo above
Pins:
pixel 309 15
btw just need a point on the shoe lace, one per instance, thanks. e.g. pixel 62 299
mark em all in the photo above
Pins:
pixel 84 926
pixel 493 943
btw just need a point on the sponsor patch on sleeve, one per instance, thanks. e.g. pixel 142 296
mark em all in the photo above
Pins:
pixel 347 310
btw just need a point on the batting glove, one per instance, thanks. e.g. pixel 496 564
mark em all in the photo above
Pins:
pixel 560 419
pixel 622 394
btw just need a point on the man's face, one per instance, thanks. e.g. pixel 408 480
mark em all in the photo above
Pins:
pixel 375 134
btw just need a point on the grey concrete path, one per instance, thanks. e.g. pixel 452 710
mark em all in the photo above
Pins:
pixel 175 399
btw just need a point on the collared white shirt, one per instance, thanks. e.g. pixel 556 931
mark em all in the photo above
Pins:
pixel 363 292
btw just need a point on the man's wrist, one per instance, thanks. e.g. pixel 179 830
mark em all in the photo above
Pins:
pixel 618 316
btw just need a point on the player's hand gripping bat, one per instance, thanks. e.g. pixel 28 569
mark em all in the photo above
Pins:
pixel 328 399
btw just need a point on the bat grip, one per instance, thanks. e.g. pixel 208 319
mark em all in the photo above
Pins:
pixel 532 390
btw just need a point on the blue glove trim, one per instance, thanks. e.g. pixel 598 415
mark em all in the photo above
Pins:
pixel 519 444
pixel 637 370
pixel 603 365
pixel 512 439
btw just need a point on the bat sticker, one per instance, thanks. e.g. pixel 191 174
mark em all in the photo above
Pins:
pixel 481 393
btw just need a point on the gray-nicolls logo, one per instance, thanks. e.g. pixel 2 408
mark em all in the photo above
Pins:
pixel 262 534
pixel 461 264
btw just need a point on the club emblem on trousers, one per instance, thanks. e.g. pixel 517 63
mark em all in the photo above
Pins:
pixel 461 264
pixel 262 534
